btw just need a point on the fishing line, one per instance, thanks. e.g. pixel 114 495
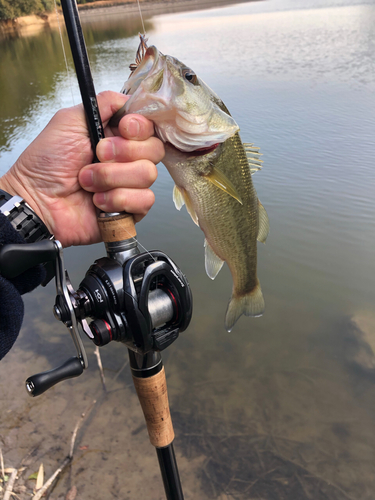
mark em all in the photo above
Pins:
pixel 63 49
pixel 138 242
pixel 140 13
pixel 119 222
pixel 145 249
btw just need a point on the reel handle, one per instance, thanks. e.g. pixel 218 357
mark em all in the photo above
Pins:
pixel 41 382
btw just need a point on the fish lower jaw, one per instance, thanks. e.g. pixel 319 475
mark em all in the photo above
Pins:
pixel 196 152
pixel 207 149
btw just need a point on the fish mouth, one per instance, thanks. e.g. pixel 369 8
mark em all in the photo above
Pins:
pixel 144 67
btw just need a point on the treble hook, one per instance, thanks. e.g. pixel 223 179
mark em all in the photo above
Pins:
pixel 141 51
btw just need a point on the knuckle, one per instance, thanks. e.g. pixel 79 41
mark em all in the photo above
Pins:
pixel 159 150
pixel 150 172
pixel 105 176
pixel 148 200
pixel 62 114
pixel 118 200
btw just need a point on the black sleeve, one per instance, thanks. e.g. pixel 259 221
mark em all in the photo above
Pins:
pixel 11 304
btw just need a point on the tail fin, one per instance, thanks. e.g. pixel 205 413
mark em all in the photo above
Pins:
pixel 251 304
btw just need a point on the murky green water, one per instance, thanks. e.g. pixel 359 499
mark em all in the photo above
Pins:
pixel 283 407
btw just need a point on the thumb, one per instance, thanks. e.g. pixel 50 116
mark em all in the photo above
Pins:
pixel 109 102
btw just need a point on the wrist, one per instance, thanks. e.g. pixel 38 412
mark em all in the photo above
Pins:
pixel 7 187
pixel 23 219
pixel 10 183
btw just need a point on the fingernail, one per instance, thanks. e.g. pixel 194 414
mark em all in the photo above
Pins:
pixel 86 178
pixel 133 128
pixel 106 150
pixel 100 198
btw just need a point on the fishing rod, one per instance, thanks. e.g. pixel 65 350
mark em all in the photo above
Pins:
pixel 142 300
pixel 83 71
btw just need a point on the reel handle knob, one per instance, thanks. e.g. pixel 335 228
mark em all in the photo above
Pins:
pixel 39 383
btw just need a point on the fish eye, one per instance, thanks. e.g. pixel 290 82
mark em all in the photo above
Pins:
pixel 190 76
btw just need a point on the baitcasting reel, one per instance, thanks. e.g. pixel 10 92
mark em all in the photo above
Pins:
pixel 140 299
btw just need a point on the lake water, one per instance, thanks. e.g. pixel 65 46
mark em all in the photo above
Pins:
pixel 283 407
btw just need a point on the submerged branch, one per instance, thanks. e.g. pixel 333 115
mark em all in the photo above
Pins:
pixel 10 484
pixel 100 366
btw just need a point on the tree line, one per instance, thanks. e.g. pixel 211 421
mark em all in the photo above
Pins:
pixel 10 9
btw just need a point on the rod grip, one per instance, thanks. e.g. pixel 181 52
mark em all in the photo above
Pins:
pixel 117 228
pixel 153 396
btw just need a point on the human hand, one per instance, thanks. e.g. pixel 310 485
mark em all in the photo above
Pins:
pixel 56 177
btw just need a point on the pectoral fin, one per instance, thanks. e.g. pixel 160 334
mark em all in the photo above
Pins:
pixel 221 181
pixel 213 263
pixel 181 198
pixel 264 223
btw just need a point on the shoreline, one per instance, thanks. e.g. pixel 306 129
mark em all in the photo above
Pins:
pixel 151 7
pixel 33 24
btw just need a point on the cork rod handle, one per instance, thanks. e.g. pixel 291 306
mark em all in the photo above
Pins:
pixel 153 396
pixel 117 228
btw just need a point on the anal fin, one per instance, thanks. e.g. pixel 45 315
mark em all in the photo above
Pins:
pixel 213 263
pixel 264 223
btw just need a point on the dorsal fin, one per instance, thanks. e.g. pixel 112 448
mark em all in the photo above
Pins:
pixel 252 155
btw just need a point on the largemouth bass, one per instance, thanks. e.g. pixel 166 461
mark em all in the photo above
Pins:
pixel 210 166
